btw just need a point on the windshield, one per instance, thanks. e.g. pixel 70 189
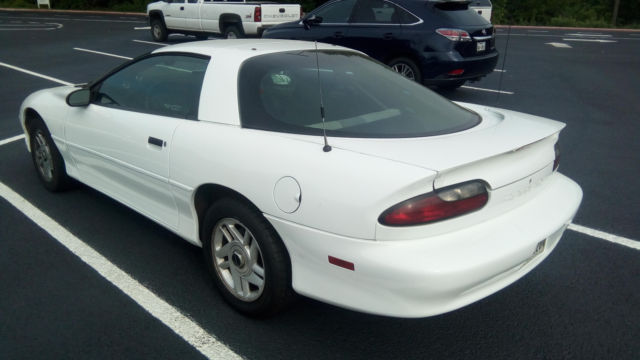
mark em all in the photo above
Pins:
pixel 362 98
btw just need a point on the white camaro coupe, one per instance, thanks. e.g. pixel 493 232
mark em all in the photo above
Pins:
pixel 311 169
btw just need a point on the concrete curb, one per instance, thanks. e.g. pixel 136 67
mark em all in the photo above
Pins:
pixel 97 12
pixel 565 28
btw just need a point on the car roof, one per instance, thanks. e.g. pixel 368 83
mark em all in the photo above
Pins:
pixel 228 55
pixel 246 48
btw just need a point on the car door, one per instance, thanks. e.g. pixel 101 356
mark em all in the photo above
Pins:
pixel 375 29
pixel 120 142
pixel 333 28
pixel 174 15
pixel 191 15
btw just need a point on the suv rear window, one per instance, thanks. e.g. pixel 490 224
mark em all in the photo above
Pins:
pixel 362 98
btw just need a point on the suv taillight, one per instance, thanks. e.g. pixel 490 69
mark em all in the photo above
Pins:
pixel 454 34
pixel 257 14
pixel 442 204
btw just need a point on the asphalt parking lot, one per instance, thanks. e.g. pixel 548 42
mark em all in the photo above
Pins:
pixel 582 302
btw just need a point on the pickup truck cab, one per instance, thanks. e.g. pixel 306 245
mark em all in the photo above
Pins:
pixel 231 19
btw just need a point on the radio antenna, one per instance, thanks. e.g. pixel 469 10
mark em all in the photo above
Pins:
pixel 326 147
pixel 504 61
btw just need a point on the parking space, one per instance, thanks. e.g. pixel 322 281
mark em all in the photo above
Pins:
pixel 581 302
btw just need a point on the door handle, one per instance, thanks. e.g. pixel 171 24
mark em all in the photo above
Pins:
pixel 387 36
pixel 181 8
pixel 338 34
pixel 157 142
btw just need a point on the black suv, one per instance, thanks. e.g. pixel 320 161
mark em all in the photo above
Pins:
pixel 436 42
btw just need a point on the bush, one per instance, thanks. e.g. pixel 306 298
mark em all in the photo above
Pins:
pixel 20 4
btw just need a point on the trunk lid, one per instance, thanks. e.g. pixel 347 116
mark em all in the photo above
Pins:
pixel 505 147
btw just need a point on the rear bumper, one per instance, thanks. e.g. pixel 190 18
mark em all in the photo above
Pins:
pixel 430 276
pixel 436 66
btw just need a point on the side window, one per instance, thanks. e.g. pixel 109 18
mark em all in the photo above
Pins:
pixel 380 12
pixel 402 16
pixel 337 12
pixel 167 85
pixel 372 12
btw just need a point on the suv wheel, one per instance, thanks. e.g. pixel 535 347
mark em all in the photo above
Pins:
pixel 407 68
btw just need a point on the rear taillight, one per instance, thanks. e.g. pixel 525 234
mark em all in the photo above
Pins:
pixel 454 34
pixel 556 160
pixel 257 14
pixel 443 204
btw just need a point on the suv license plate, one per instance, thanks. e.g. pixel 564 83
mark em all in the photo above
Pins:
pixel 481 46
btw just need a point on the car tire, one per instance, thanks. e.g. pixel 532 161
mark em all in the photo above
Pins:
pixel 246 258
pixel 407 68
pixel 159 31
pixel 47 158
pixel 232 32
pixel 452 85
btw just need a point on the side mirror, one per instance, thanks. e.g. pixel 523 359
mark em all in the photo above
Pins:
pixel 81 97
pixel 312 21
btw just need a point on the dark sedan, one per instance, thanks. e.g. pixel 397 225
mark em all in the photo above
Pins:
pixel 441 43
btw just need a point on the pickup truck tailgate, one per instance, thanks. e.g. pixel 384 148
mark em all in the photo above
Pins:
pixel 279 13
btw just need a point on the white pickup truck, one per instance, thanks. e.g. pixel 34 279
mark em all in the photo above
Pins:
pixel 231 19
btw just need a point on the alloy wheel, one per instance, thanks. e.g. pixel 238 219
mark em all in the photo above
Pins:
pixel 404 70
pixel 43 157
pixel 238 259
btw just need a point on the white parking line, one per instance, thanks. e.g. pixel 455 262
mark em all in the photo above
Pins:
pixel 103 53
pixel 560 45
pixel 142 28
pixel 605 236
pixel 489 90
pixel 591 40
pixel 499 70
pixel 184 327
pixel 31 26
pixel 11 139
pixel 35 74
pixel 149 42
pixel 589 35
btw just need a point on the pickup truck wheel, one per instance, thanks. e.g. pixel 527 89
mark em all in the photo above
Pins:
pixel 158 30
pixel 232 32
pixel 246 258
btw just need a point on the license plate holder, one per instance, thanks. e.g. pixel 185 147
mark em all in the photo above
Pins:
pixel 481 46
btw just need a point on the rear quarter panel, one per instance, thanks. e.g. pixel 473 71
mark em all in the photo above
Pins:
pixel 342 192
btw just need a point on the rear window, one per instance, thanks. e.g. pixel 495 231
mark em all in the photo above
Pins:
pixel 362 98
